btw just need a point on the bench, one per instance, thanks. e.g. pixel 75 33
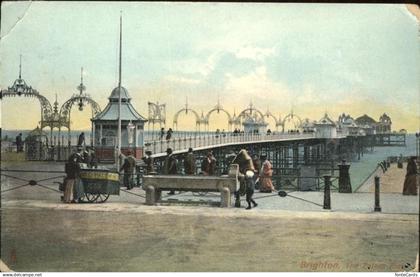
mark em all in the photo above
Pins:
pixel 226 185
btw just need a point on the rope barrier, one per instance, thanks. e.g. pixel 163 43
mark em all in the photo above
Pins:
pixel 31 171
pixel 51 178
pixel 45 187
pixel 6 190
pixel 126 191
pixel 10 176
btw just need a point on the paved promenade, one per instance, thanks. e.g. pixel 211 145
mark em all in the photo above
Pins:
pixel 187 233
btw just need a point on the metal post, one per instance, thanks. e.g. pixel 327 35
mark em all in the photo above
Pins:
pixel 377 194
pixel 327 192
pixel 118 150
pixel 344 184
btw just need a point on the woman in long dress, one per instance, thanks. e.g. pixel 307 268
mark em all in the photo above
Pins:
pixel 265 176
pixel 410 183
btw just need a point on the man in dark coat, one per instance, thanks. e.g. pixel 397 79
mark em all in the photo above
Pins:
pixel 128 166
pixel 19 143
pixel 169 134
pixel 93 158
pixel 72 169
pixel 162 133
pixel 410 182
pixel 208 165
pixel 189 162
pixel 81 139
pixel 148 160
pixel 170 166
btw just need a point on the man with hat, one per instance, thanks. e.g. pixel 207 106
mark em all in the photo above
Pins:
pixel 72 168
pixel 170 165
pixel 189 162
pixel 208 165
pixel 128 166
pixel 148 160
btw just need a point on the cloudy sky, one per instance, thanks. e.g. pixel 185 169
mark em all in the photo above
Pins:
pixel 312 58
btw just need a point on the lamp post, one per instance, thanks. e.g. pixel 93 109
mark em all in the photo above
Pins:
pixel 130 133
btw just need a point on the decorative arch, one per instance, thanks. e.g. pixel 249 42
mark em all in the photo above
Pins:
pixel 292 116
pixel 186 110
pixel 218 109
pixel 20 88
pixel 81 101
pixel 278 121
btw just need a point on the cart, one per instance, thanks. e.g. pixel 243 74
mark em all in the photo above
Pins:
pixel 95 185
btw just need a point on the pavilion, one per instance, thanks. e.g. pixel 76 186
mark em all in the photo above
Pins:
pixel 105 127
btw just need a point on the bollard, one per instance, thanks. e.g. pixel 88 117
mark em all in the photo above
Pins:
pixel 327 192
pixel 377 191
pixel 344 184
pixel 150 195
pixel 225 193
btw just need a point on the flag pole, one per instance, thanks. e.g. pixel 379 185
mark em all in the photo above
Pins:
pixel 119 101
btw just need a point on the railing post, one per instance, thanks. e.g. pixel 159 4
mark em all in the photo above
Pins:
pixel 327 192
pixel 377 195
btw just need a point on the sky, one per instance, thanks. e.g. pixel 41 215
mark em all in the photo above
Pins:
pixel 309 58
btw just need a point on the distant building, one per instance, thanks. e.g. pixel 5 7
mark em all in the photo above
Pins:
pixel 105 127
pixel 347 125
pixel 325 128
pixel 254 124
pixel 366 124
pixel 370 126
pixel 384 124
pixel 308 126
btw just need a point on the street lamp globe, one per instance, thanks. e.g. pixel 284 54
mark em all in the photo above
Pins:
pixel 130 132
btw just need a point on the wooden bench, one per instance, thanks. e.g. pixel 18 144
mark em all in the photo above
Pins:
pixel 226 185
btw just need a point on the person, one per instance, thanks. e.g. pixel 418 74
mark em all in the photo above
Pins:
pixel 400 161
pixel 72 168
pixel 189 162
pixel 208 165
pixel 268 132
pixel 93 158
pixel 19 143
pixel 129 166
pixel 148 160
pixel 81 140
pixel 246 170
pixel 266 185
pixel 86 157
pixel 257 166
pixel 169 134
pixel 410 182
pixel 170 166
pixel 162 133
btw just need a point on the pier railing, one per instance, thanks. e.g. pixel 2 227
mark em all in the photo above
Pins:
pixel 214 140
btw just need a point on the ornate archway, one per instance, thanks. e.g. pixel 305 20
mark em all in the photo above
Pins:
pixel 82 99
pixel 278 122
pixel 250 117
pixel 218 108
pixel 248 112
pixel 198 121
pixel 20 88
pixel 293 119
